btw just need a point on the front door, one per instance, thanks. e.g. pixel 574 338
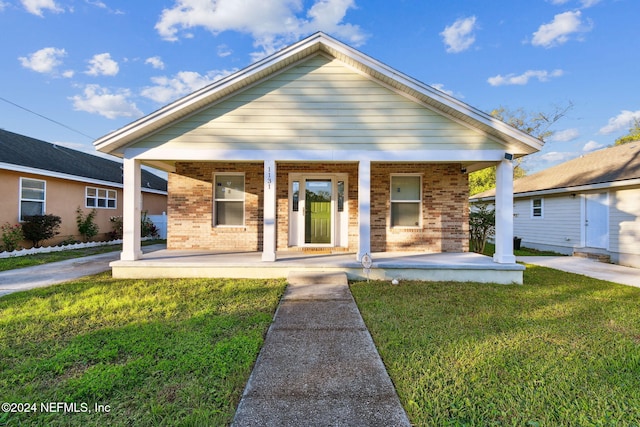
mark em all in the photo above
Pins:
pixel 596 220
pixel 317 224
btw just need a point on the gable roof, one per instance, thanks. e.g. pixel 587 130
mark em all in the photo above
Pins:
pixel 619 165
pixel 20 152
pixel 514 140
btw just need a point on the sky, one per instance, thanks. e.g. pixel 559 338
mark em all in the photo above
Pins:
pixel 75 70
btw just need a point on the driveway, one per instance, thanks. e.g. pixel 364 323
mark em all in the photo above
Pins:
pixel 587 267
pixel 38 276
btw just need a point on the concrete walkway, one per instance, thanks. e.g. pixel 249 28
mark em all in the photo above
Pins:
pixel 318 365
pixel 587 267
pixel 22 279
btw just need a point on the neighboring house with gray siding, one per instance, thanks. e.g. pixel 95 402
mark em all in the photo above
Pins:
pixel 590 205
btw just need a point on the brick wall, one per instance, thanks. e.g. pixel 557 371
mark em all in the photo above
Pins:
pixel 445 212
pixel 190 208
pixel 445 218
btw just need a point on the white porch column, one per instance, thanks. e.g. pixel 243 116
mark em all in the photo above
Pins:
pixel 131 210
pixel 504 213
pixel 269 232
pixel 364 208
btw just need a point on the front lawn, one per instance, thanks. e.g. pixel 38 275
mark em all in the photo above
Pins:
pixel 147 352
pixel 560 350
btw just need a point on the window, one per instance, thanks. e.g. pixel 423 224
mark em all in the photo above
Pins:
pixel 406 198
pixel 537 208
pixel 295 191
pixel 100 198
pixel 32 197
pixel 229 200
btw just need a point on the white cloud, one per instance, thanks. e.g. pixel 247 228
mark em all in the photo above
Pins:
pixel 441 88
pixel 560 29
pixel 272 24
pixel 98 100
pixel 523 79
pixel 155 62
pixel 37 6
pixel 556 156
pixel 167 89
pixel 459 35
pixel 45 60
pixel 592 146
pixel 224 50
pixel 621 122
pixel 565 135
pixel 102 65
pixel 585 3
pixel 3 5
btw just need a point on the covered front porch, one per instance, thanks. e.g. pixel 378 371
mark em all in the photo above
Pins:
pixel 458 267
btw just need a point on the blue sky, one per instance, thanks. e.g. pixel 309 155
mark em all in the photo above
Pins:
pixel 96 65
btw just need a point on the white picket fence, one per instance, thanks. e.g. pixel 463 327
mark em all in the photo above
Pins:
pixel 160 221
pixel 47 249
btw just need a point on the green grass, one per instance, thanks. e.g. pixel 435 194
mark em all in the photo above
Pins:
pixel 561 350
pixel 490 248
pixel 158 352
pixel 39 259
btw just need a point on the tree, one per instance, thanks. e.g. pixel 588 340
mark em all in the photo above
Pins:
pixel 633 135
pixel 37 228
pixel 482 220
pixel 86 227
pixel 537 125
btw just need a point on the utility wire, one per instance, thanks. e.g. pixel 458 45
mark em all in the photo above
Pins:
pixel 46 118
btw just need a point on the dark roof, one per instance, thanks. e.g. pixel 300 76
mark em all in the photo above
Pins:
pixel 615 164
pixel 33 153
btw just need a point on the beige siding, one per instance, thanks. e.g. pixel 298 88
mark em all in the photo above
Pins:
pixel 319 104
pixel 559 227
pixel 624 221
pixel 62 198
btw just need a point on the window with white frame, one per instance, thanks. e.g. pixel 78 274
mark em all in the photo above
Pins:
pixel 406 200
pixel 537 208
pixel 100 198
pixel 228 200
pixel 32 197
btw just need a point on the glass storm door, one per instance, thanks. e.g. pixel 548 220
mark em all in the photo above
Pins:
pixel 317 227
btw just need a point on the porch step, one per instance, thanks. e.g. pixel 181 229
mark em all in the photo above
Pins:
pixel 606 258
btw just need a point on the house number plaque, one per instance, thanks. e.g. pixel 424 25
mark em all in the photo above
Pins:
pixel 269 177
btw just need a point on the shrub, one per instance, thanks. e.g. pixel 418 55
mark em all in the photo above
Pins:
pixel 116 233
pixel 147 227
pixel 11 236
pixel 482 223
pixel 37 228
pixel 86 226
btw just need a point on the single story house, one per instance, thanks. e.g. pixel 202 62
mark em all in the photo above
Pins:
pixel 588 205
pixel 318 147
pixel 38 178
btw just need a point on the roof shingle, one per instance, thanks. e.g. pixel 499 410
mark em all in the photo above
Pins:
pixel 29 152
pixel 612 164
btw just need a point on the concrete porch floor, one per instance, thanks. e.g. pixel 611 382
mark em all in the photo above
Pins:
pixel 459 267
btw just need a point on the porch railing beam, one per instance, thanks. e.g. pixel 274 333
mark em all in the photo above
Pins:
pixel 504 213
pixel 131 210
pixel 269 232
pixel 364 208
